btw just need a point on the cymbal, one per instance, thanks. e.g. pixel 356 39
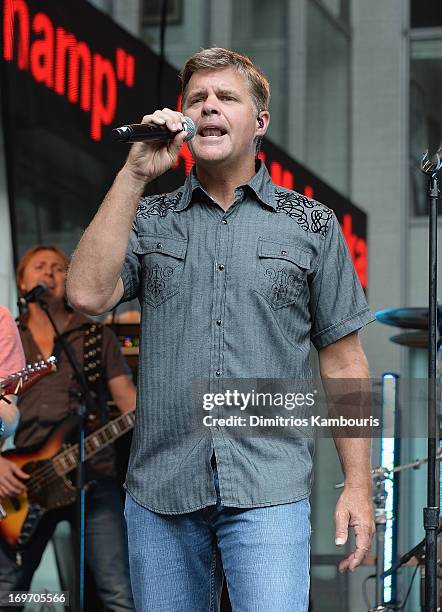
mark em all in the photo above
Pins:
pixel 413 339
pixel 408 318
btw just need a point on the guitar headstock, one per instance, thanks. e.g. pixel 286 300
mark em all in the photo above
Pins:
pixel 20 381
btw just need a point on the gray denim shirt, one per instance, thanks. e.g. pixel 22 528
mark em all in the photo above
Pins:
pixel 235 294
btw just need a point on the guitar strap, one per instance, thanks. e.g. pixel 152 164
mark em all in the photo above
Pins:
pixel 93 368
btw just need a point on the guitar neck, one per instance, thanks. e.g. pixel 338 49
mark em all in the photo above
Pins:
pixel 67 460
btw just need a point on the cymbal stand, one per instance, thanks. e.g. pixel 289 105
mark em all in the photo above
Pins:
pixel 379 495
pixel 379 476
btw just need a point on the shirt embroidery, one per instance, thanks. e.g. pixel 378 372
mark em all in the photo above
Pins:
pixel 160 205
pixel 308 214
pixel 158 279
pixel 282 281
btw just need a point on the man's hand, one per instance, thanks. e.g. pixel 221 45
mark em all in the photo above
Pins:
pixel 148 160
pixel 9 478
pixel 354 509
pixel 93 282
pixel 345 359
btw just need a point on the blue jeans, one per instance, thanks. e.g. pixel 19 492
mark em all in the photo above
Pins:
pixel 177 561
pixel 106 549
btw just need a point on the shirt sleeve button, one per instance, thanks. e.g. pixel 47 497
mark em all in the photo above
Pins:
pixel 221 267
pixel 283 252
pixel 218 373
pixel 159 245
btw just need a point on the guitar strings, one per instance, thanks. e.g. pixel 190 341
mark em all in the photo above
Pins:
pixel 42 475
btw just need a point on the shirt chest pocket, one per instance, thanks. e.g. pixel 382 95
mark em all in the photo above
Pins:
pixel 162 264
pixel 281 272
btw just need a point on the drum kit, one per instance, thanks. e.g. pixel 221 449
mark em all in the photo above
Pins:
pixel 415 322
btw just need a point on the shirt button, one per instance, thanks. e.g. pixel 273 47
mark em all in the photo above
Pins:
pixel 159 245
pixel 218 373
pixel 225 221
pixel 221 267
pixel 283 252
pixel 218 322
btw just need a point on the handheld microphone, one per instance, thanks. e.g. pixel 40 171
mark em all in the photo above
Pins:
pixel 138 132
pixel 34 294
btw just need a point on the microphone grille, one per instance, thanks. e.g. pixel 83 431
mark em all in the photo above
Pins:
pixel 190 128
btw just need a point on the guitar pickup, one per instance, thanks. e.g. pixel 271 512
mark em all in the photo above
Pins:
pixel 15 503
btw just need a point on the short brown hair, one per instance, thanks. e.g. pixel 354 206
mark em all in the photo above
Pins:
pixel 27 256
pixel 217 57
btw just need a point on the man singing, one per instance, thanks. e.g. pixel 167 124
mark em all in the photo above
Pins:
pixel 236 277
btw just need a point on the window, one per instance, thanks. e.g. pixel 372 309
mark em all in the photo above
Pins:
pixel 259 31
pixel 327 108
pixel 151 14
pixel 426 14
pixel 425 116
pixel 339 9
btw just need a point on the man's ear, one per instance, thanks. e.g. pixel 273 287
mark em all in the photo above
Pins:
pixel 263 120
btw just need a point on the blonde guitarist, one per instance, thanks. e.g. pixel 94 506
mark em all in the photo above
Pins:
pixel 52 401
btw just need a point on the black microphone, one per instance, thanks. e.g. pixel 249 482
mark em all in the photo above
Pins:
pixel 137 132
pixel 34 294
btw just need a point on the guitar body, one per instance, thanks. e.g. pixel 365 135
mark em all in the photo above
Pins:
pixel 47 489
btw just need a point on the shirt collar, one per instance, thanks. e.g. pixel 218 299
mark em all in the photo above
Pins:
pixel 260 183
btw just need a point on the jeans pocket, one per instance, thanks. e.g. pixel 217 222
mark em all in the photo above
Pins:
pixel 281 272
pixel 162 265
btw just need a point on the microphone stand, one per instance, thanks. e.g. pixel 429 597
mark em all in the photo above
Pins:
pixel 431 512
pixel 85 400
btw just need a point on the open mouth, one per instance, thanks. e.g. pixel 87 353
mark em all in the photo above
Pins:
pixel 211 132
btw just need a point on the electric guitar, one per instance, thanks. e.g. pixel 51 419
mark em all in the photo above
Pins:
pixel 49 486
pixel 20 381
